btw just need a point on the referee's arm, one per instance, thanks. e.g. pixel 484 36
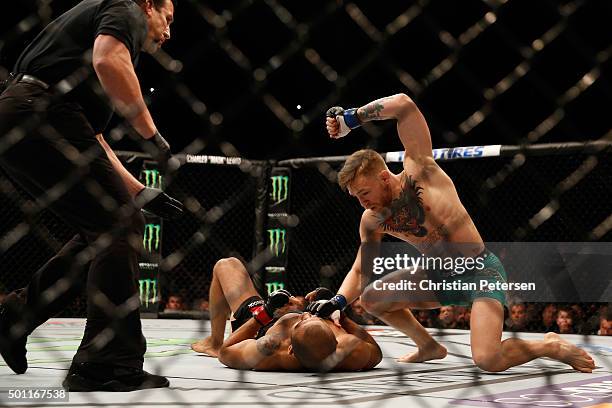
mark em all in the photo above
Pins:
pixel 114 68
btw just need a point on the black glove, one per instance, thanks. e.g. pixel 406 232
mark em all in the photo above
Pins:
pixel 264 314
pixel 324 308
pixel 159 203
pixel 323 294
pixel 163 154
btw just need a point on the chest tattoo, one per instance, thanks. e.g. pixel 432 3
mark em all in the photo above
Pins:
pixel 407 212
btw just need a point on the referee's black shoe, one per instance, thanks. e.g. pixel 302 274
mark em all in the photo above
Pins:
pixel 12 338
pixel 85 377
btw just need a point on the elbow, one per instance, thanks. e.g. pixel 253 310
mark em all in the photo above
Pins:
pixel 377 356
pixel 406 106
pixel 104 64
pixel 224 357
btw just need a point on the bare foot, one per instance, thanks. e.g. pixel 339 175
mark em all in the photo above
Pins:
pixel 207 347
pixel 567 353
pixel 432 351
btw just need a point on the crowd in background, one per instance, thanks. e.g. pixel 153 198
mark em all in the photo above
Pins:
pixel 576 318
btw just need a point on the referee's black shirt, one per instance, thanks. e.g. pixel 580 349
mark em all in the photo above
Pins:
pixel 63 50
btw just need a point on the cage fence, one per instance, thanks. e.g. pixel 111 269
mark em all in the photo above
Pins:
pixel 481 72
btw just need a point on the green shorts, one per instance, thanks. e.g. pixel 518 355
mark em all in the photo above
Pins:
pixel 492 272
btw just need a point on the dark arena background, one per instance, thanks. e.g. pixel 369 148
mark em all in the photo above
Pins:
pixel 240 92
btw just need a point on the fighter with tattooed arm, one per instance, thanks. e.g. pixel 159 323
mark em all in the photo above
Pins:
pixel 421 206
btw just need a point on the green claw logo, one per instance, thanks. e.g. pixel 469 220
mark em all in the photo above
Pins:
pixel 274 286
pixel 150 239
pixel 280 188
pixel 152 178
pixel 277 240
pixel 148 291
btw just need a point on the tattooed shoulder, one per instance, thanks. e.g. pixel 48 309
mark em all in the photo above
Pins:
pixel 267 345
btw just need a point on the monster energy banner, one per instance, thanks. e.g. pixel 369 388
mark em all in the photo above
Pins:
pixel 151 178
pixel 279 191
pixel 151 239
pixel 148 280
pixel 277 230
pixel 273 286
pixel 149 295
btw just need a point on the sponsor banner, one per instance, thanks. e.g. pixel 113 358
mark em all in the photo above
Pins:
pixel 151 239
pixel 279 187
pixel 149 293
pixel 452 153
pixel 204 159
pixel 277 231
pixel 274 286
pixel 277 241
pixel 152 178
pixel 511 272
pixel 576 394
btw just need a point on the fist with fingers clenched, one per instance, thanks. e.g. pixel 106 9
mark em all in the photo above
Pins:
pixel 340 122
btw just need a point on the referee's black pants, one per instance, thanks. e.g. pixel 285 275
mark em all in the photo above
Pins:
pixel 49 148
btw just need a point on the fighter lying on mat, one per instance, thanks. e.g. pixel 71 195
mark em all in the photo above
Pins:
pixel 275 334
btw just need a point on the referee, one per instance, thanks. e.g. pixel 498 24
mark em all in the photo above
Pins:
pixel 60 96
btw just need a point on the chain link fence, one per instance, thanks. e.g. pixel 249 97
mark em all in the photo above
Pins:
pixel 253 78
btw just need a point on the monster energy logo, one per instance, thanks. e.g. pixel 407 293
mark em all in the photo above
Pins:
pixel 151 237
pixel 279 188
pixel 277 240
pixel 148 291
pixel 274 286
pixel 152 178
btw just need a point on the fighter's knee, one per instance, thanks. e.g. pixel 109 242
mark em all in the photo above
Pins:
pixel 488 361
pixel 230 262
pixel 371 306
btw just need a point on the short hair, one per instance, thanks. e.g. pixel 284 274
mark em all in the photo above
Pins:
pixel 566 309
pixel 365 161
pixel 312 344
pixel 156 3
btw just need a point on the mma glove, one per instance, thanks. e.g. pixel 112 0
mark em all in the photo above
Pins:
pixel 158 203
pixel 347 119
pixel 322 293
pixel 264 313
pixel 324 308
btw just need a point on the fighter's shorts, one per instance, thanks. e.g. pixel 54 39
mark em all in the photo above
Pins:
pixel 243 313
pixel 492 272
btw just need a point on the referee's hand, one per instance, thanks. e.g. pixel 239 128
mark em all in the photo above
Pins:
pixel 164 154
pixel 159 203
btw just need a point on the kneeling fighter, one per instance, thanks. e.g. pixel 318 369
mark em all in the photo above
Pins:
pixel 421 206
pixel 275 334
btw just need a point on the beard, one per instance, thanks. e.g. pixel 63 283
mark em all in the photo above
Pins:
pixel 151 46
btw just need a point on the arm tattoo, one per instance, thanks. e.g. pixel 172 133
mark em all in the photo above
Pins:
pixel 267 345
pixel 370 112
